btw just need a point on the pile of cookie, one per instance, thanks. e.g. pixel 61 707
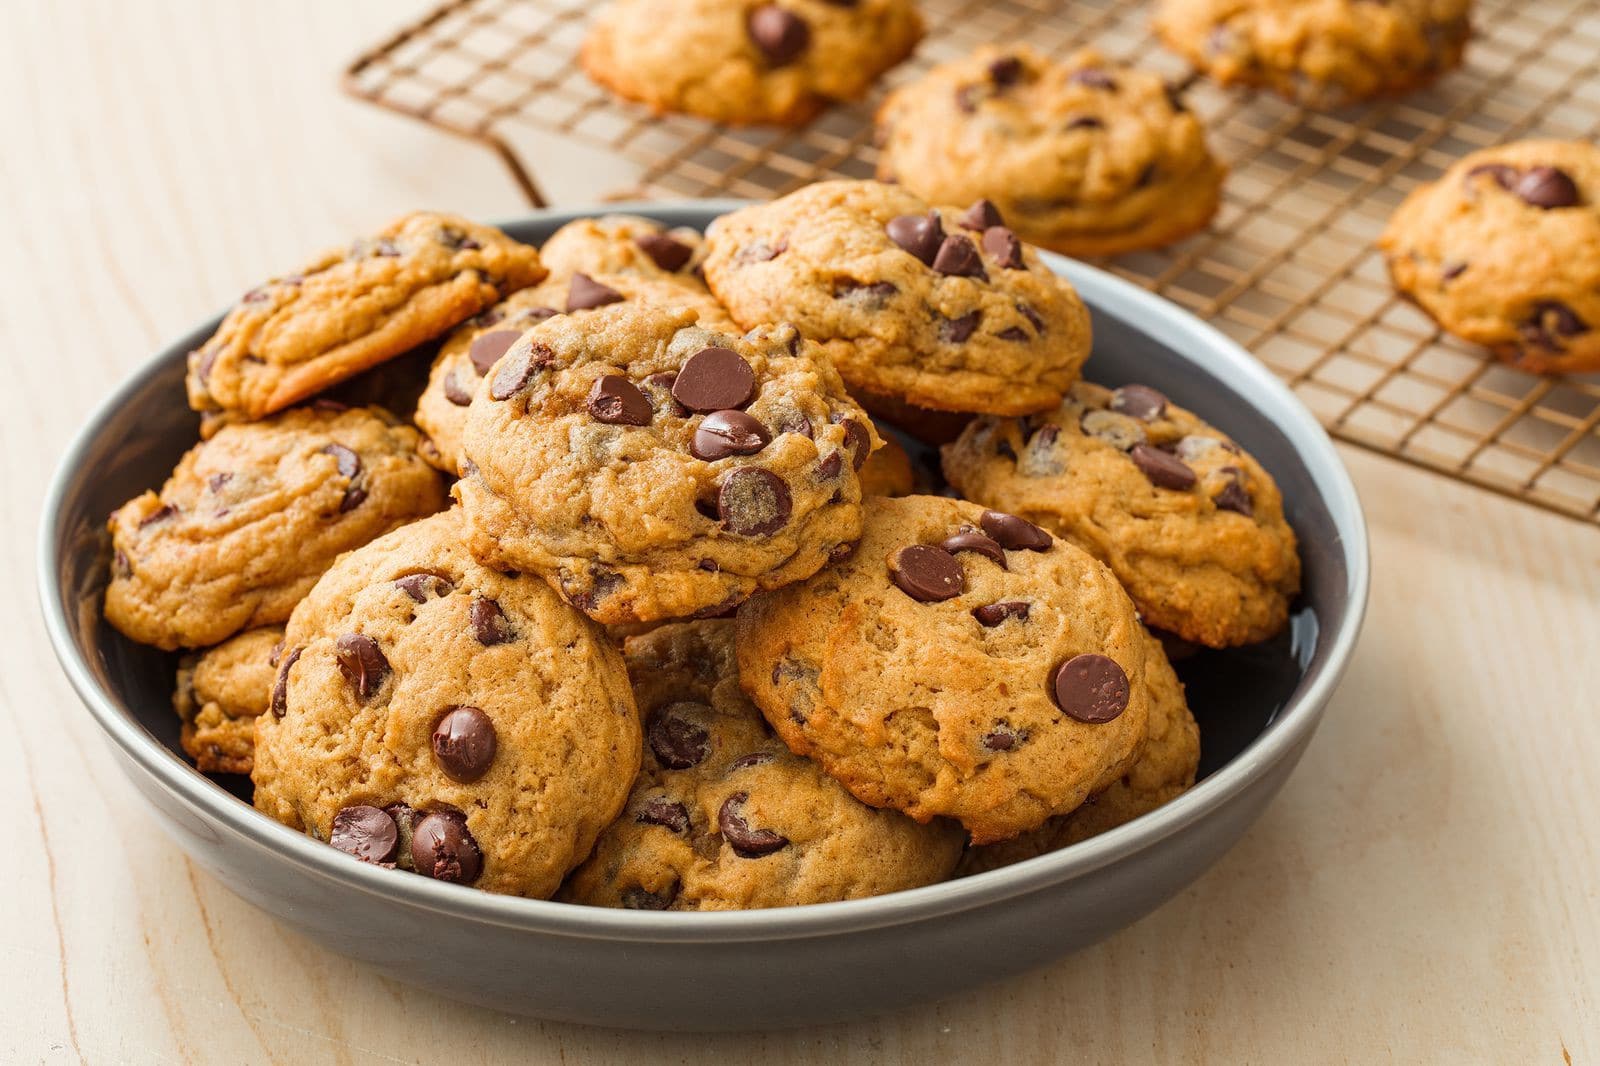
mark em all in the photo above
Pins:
pixel 688 636
pixel 1090 158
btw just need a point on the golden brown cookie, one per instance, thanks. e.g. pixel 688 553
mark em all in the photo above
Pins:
pixel 724 817
pixel 1084 156
pixel 1192 526
pixel 252 517
pixel 737 61
pixel 1504 250
pixel 624 244
pixel 437 715
pixel 961 663
pixel 476 345
pixel 350 309
pixel 1318 52
pixel 941 308
pixel 1163 771
pixel 220 693
pixel 649 468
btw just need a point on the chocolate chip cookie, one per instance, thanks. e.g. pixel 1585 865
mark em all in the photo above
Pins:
pixel 1163 771
pixel 735 61
pixel 938 307
pixel 961 663
pixel 1504 250
pixel 220 693
pixel 436 715
pixel 1085 157
pixel 1192 526
pixel 888 472
pixel 475 346
pixel 650 468
pixel 252 517
pixel 724 817
pixel 350 309
pixel 1318 52
pixel 623 244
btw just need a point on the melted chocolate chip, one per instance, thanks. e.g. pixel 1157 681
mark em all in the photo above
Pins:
pixel 280 687
pixel 797 423
pixel 464 743
pixel 1549 322
pixel 747 843
pixel 442 848
pixel 367 833
pixel 830 467
pixel 958 257
pixel 992 614
pixel 780 34
pixel 920 235
pixel 516 370
pixel 1013 533
pixel 724 433
pixel 1547 188
pixel 642 899
pixel 840 552
pixel 1005 71
pixel 981 216
pixel 676 742
pixel 970 540
pixel 753 502
pixel 1164 469
pixel 661 811
pixel 957 330
pixel 420 586
pixel 1139 401
pixel 714 379
pixel 361 662
pixel 856 439
pixel 487 348
pixel 755 758
pixel 1003 737
pixel 454 392
pixel 760 252
pixel 1084 122
pixel 1003 245
pixel 160 514
pixel 927 574
pixel 617 401
pixel 1091 688
pixel 489 623
pixel 585 294
pixel 667 253
pixel 1234 496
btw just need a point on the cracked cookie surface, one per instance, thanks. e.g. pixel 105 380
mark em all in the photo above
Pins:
pixel 220 693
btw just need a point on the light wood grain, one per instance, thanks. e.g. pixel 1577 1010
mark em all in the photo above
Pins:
pixel 1427 888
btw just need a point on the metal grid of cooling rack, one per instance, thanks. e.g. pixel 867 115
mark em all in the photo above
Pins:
pixel 1288 267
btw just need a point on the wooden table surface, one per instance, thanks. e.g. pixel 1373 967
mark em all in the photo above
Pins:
pixel 1427 887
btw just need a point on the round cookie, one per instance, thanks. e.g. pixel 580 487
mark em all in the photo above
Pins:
pixel 252 517
pixel 465 358
pixel 724 817
pixel 435 714
pixel 1083 157
pixel 961 663
pixel 1504 250
pixel 1192 526
pixel 740 62
pixel 220 693
pixel 940 308
pixel 650 468
pixel 888 472
pixel 624 244
pixel 1164 770
pixel 1318 52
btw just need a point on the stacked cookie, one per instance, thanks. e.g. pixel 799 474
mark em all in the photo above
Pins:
pixel 687 639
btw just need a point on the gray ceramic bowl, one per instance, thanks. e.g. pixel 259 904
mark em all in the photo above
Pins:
pixel 756 969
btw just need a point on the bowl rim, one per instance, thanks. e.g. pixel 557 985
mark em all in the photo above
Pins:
pixel 1160 319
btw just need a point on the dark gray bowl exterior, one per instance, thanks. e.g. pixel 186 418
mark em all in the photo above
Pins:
pixel 749 970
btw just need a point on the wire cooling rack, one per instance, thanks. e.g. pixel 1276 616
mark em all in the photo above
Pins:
pixel 1288 267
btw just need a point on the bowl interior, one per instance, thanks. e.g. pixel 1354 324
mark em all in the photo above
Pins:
pixel 1237 695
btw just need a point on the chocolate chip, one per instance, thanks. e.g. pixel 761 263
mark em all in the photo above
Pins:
pixel 796 423
pixel 957 330
pixel 420 586
pixel 1013 333
pixel 361 662
pixel 585 294
pixel 160 514
pixel 760 252
pixel 1084 122
pixel 514 374
pixel 664 251
pixel 921 235
pixel 1549 321
pixel 365 832
pixel 1003 245
pixel 1091 688
pixel 1005 71
pixel 747 843
pixel 1013 533
pixel 714 379
pixel 958 257
pixel 1503 175
pixel 1547 188
pixel 780 34
pixel 485 319
pixel 981 216
pixel 724 433
pixel 642 899
pixel 676 742
pixel 120 566
pixel 617 401
pixel 348 464
pixel 1451 270
pixel 755 758
pixel 856 439
pixel 353 498
pixel 661 811
pixel 216 481
pixel 1164 469
pixel 1139 401
pixel 992 614
pixel 1003 737
pixel 830 467
pixel 1175 99
pixel 489 623
pixel 1233 496
pixel 464 743
pixel 871 295
pixel 453 391
pixel 280 687
pixel 1094 78
pixel 451 237
pixel 487 348
pixel 970 540
pixel 927 574
pixel 840 552
pixel 968 97
pixel 442 848
pixel 753 502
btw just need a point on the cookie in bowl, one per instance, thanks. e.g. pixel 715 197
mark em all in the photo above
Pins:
pixel 1191 524
pixel 724 817
pixel 251 518
pixel 1084 156
pixel 937 307
pixel 220 694
pixel 1164 770
pixel 780 62
pixel 1504 251
pixel 961 663
pixel 432 714
pixel 623 244
pixel 650 468
pixel 351 309
pixel 467 355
